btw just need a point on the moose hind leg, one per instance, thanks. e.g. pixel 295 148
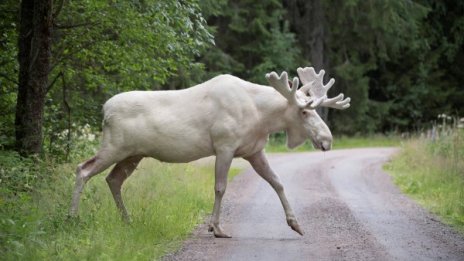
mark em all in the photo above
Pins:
pixel 84 172
pixel 223 161
pixel 116 178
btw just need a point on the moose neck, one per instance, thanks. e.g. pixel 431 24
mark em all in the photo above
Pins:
pixel 273 108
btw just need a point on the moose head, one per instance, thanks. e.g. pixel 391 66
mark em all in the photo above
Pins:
pixel 303 101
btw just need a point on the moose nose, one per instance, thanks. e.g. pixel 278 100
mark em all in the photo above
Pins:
pixel 325 146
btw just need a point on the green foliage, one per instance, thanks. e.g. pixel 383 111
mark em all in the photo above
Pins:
pixel 17 174
pixel 120 40
pixel 252 39
pixel 344 142
pixel 431 172
pixel 400 50
pixel 352 74
pixel 123 46
pixel 19 179
pixel 277 143
pixel 8 70
pixel 101 48
pixel 34 223
pixel 369 42
pixel 73 143
pixel 398 60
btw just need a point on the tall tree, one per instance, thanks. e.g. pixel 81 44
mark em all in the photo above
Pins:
pixel 252 38
pixel 443 29
pixel 34 46
pixel 96 48
pixel 356 39
pixel 368 41
pixel 307 19
pixel 105 47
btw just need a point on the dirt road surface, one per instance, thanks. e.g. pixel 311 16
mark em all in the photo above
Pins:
pixel 346 204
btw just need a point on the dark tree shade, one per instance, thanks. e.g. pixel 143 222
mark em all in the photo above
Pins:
pixel 307 20
pixel 34 63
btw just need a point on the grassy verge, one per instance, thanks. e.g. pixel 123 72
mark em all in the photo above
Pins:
pixel 277 144
pixel 433 174
pixel 344 142
pixel 166 202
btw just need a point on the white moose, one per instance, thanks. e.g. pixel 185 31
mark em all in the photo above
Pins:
pixel 225 116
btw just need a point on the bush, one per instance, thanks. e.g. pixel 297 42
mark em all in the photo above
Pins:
pixel 19 178
pixel 34 194
pixel 17 174
pixel 166 202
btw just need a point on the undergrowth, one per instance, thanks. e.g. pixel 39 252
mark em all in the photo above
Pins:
pixel 166 202
pixel 277 142
pixel 432 172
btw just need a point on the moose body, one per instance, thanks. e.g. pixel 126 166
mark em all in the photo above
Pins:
pixel 225 116
pixel 185 125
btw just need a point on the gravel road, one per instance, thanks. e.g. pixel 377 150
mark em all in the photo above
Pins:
pixel 347 206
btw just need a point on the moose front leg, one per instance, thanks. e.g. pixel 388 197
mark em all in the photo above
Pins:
pixel 260 164
pixel 223 161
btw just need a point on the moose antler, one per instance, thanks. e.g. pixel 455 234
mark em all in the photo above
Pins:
pixel 281 84
pixel 313 84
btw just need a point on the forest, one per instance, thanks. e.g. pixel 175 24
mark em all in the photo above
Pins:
pixel 400 61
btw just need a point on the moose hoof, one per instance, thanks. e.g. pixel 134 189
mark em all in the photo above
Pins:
pixel 72 217
pixel 295 227
pixel 126 219
pixel 218 232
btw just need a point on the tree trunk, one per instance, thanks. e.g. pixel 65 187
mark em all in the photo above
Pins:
pixel 317 44
pixel 308 22
pixel 34 50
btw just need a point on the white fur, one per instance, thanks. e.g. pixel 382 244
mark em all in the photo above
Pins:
pixel 225 116
pixel 222 113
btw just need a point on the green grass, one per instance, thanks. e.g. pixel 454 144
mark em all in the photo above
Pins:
pixel 277 144
pixel 166 202
pixel 280 146
pixel 344 142
pixel 432 173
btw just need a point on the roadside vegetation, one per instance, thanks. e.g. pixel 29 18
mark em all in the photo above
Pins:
pixel 431 171
pixel 393 58
pixel 277 143
pixel 166 202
